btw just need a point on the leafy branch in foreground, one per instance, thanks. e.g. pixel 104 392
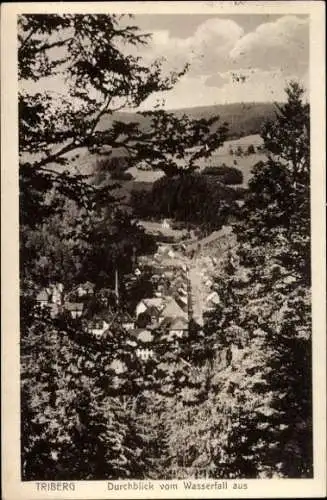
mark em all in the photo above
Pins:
pixel 90 56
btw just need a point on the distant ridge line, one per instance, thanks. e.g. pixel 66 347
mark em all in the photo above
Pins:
pixel 243 118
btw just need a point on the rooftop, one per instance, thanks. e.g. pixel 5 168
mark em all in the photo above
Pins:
pixel 74 306
pixel 142 334
pixel 172 309
pixel 42 295
pixel 153 302
pixel 180 323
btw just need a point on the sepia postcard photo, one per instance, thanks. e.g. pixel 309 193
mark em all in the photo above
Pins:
pixel 163 250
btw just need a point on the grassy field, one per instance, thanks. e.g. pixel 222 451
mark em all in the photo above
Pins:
pixel 220 156
pixel 245 121
pixel 145 176
pixel 243 163
pixel 82 162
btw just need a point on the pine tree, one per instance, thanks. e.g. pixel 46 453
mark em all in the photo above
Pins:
pixel 265 318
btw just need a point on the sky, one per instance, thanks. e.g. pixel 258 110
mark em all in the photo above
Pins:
pixel 232 58
pixel 266 51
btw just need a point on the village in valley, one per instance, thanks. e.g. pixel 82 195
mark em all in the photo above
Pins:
pixel 182 277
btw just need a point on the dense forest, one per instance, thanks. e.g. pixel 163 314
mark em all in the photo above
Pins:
pixel 231 400
pixel 195 198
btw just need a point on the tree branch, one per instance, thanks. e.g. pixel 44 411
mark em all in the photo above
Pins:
pixel 24 42
pixel 56 156
pixel 59 43
pixel 102 112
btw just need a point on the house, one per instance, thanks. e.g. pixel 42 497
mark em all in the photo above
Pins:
pixel 175 327
pixel 142 165
pixel 128 325
pixel 159 308
pixel 212 300
pixel 74 308
pixel 128 322
pixel 43 298
pixel 97 327
pixel 183 300
pixel 54 309
pixel 171 310
pixel 57 294
pixel 118 366
pixel 178 327
pixel 145 304
pixel 162 249
pixel 51 294
pixel 164 288
pixel 143 337
pixel 165 224
pixel 148 318
pixel 85 289
pixel 154 313
pixel 168 275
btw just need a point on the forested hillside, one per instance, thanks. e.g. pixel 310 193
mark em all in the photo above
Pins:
pixel 242 118
pixel 195 198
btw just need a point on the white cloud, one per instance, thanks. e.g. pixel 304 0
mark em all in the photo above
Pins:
pixel 280 44
pixel 217 80
pixel 212 42
pixel 219 48
pixel 218 51
pixel 208 47
pixel 220 44
pixel 258 86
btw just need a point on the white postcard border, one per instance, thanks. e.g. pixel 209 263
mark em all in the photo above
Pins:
pixel 13 488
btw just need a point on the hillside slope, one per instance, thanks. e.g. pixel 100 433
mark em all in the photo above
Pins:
pixel 243 118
